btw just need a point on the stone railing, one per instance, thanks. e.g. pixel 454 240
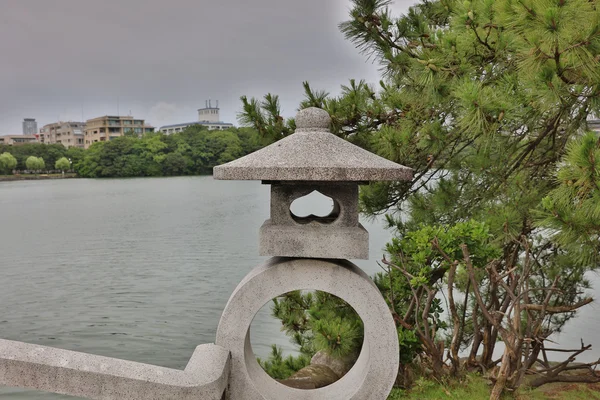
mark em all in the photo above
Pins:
pixel 96 377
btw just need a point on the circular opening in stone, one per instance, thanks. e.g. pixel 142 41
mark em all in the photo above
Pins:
pixel 307 339
pixel 315 206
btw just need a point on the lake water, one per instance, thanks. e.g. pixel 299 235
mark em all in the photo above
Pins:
pixel 141 269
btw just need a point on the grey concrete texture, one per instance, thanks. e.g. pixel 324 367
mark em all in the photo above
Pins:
pixel 314 240
pixel 313 153
pixel 95 377
pixel 373 374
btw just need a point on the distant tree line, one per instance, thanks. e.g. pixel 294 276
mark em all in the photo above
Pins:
pixel 50 154
pixel 194 151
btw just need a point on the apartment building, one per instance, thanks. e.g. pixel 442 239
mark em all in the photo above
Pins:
pixel 69 134
pixel 207 116
pixel 168 129
pixel 15 140
pixel 103 129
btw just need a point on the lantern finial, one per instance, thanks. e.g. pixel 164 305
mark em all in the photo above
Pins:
pixel 312 119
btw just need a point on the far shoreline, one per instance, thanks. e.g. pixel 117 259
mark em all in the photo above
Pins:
pixel 33 177
pixel 12 178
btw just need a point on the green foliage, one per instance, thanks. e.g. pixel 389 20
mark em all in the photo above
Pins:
pixel 282 368
pixel 488 89
pixel 50 153
pixel 75 154
pixel 415 249
pixel 337 336
pixel 35 163
pixel 410 345
pixel 473 387
pixel 265 117
pixel 571 211
pixel 476 387
pixel 62 164
pixel 428 266
pixel 7 163
pixel 194 151
pixel 318 321
pixel 482 99
pixel 314 321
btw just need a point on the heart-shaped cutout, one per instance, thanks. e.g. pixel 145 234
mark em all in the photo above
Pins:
pixel 314 206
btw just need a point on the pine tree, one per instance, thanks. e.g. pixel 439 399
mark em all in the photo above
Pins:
pixel 571 211
pixel 483 98
pixel 314 321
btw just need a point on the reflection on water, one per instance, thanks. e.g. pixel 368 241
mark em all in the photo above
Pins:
pixel 141 269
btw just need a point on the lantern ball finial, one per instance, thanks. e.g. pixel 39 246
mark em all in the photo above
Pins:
pixel 312 119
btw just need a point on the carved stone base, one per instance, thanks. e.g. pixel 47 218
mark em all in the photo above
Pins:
pixel 373 374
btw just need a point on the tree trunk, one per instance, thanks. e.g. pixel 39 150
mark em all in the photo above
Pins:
pixel 501 378
pixel 564 378
pixel 488 346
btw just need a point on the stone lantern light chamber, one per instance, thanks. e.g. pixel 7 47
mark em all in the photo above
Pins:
pixel 313 159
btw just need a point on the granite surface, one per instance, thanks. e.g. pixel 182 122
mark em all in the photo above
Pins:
pixel 96 377
pixel 344 196
pixel 313 153
pixel 337 235
pixel 373 374
pixel 314 240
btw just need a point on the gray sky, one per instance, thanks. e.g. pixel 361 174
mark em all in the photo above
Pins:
pixel 161 59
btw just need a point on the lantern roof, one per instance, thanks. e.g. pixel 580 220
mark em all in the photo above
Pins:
pixel 312 153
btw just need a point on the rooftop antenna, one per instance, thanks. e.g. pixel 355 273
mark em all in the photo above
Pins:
pixel 209 104
pixel 205 103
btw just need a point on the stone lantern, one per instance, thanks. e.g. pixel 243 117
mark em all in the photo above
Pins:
pixel 313 159
pixel 310 254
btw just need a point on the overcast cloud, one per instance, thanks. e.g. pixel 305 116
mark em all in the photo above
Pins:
pixel 160 60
